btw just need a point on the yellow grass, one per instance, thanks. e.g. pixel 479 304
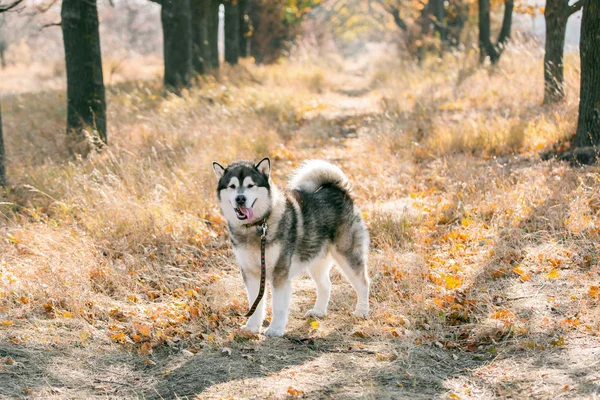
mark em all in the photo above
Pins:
pixel 478 246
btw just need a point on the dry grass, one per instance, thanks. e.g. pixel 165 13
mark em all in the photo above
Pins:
pixel 484 257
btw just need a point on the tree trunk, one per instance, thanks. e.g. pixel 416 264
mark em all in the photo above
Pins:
pixel 213 33
pixel 486 47
pixel 86 102
pixel 588 124
pixel 200 10
pixel 177 43
pixel 556 15
pixel 504 34
pixel 2 57
pixel 439 12
pixel 2 154
pixel 232 31
pixel 244 28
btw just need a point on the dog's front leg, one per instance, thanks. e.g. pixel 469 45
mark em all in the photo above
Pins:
pixel 252 287
pixel 282 296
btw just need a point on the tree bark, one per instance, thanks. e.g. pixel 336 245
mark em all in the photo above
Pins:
pixel 244 27
pixel 486 47
pixel 2 154
pixel 557 14
pixel 588 124
pixel 177 43
pixel 86 101
pixel 213 33
pixel 232 31
pixel 200 10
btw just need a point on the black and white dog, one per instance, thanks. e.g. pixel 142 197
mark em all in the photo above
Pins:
pixel 310 225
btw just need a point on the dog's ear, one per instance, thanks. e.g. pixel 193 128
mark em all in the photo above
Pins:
pixel 264 166
pixel 219 170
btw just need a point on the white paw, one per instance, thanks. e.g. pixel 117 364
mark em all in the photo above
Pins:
pixel 315 313
pixel 274 331
pixel 361 314
pixel 251 328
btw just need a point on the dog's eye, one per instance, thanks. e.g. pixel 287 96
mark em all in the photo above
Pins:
pixel 250 186
pixel 232 186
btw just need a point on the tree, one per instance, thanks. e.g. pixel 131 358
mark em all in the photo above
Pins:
pixel 244 28
pixel 213 33
pixel 177 43
pixel 486 47
pixel 9 6
pixel 588 124
pixel 4 8
pixel 232 31
pixel 557 14
pixel 86 102
pixel 200 10
pixel 2 154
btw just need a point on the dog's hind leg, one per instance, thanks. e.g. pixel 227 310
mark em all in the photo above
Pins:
pixel 319 272
pixel 350 253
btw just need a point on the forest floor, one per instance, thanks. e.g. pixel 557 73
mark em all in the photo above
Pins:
pixel 117 279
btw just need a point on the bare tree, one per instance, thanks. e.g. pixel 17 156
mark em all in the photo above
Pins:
pixel 213 33
pixel 244 27
pixel 4 8
pixel 232 31
pixel 86 101
pixel 486 47
pixel 200 10
pixel 557 14
pixel 588 124
pixel 177 43
pixel 9 6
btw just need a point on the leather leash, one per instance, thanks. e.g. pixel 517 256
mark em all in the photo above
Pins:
pixel 263 267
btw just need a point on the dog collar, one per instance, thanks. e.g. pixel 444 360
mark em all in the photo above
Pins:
pixel 260 223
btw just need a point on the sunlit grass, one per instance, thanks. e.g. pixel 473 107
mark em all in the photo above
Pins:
pixel 463 214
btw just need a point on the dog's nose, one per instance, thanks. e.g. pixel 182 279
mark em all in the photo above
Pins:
pixel 240 199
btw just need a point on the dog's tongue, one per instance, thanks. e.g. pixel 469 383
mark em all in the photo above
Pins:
pixel 248 212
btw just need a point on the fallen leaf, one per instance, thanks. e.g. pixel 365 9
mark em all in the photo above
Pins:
pixel 294 392
pixel 552 274
pixel 145 349
pixel 142 329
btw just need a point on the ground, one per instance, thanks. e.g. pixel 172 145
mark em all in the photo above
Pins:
pixel 117 279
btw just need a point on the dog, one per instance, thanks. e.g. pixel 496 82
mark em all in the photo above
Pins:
pixel 309 226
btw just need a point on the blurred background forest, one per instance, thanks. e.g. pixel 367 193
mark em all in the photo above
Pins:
pixel 461 123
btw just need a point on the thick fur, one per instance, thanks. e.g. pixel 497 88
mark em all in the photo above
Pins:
pixel 311 225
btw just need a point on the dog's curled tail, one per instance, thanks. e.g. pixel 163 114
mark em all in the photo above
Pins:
pixel 316 173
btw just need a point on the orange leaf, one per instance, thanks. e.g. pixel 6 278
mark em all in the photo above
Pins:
pixel 8 322
pixel 118 337
pixel 594 292
pixel 504 315
pixel 525 277
pixel 498 273
pixel 145 349
pixel 294 392
pixel 452 282
pixel 142 329
pixel 558 342
pixel 552 274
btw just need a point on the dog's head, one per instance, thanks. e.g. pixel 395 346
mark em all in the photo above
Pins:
pixel 244 191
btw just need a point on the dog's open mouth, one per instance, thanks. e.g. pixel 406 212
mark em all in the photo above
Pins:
pixel 244 213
